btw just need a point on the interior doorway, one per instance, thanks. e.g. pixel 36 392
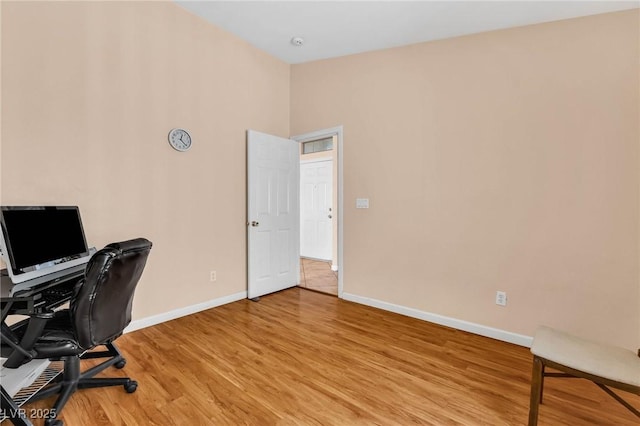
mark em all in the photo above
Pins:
pixel 320 210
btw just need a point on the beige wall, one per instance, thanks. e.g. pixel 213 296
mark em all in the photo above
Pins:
pixel 90 91
pixel 501 161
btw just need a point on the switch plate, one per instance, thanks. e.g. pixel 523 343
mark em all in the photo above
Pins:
pixel 362 203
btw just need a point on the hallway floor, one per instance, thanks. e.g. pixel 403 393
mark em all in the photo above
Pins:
pixel 317 275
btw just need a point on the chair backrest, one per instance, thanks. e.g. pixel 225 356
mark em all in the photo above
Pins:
pixel 101 308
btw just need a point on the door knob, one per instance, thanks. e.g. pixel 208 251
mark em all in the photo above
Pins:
pixel 255 223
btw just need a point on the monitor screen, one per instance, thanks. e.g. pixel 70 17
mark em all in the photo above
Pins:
pixel 40 237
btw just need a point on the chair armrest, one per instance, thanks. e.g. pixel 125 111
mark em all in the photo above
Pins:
pixel 23 351
pixel 45 315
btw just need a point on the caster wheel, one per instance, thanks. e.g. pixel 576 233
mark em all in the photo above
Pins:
pixel 53 422
pixel 120 364
pixel 131 386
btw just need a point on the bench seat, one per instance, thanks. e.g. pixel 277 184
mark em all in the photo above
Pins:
pixel 605 365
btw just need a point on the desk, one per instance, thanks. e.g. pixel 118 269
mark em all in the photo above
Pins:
pixel 23 299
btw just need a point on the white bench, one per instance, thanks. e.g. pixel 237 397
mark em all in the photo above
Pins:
pixel 606 366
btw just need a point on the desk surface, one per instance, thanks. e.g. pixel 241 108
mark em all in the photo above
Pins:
pixel 28 288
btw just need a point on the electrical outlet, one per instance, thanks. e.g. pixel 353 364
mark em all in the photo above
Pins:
pixel 213 276
pixel 501 298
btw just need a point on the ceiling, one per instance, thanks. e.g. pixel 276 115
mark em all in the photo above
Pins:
pixel 338 28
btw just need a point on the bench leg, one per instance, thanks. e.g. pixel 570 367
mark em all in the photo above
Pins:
pixel 537 379
pixel 542 374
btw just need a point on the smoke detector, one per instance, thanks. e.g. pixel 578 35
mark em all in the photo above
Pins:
pixel 297 41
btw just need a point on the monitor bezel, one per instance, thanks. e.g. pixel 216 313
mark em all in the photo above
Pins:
pixel 34 271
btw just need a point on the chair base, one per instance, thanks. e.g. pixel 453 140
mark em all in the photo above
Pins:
pixel 72 379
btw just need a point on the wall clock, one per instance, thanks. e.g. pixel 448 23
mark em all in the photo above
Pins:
pixel 180 139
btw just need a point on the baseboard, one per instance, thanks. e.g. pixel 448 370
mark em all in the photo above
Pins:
pixel 181 312
pixel 494 333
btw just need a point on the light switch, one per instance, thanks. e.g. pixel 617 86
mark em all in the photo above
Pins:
pixel 362 203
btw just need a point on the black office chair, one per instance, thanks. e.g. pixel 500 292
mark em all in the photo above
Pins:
pixel 97 315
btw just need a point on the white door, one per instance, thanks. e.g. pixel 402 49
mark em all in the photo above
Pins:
pixel 316 212
pixel 273 213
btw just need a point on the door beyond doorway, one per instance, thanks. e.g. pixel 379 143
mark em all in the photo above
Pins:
pixel 316 209
pixel 317 275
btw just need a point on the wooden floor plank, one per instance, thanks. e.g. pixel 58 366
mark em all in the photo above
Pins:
pixel 299 357
pixel 317 275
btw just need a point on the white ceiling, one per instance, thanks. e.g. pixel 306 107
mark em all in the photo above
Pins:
pixel 337 28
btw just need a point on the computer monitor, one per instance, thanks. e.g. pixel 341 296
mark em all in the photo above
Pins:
pixel 41 240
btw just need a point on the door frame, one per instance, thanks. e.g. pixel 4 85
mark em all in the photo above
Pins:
pixel 338 133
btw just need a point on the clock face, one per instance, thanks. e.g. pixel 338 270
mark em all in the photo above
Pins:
pixel 180 139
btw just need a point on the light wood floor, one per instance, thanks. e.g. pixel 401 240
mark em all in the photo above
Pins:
pixel 317 275
pixel 299 357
